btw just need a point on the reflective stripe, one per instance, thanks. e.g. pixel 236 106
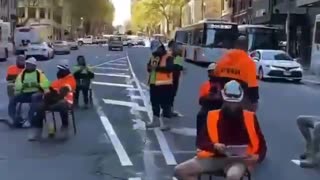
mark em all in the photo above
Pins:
pixel 69 98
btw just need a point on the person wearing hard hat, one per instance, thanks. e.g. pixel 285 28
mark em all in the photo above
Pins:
pixel 237 65
pixel 58 99
pixel 28 84
pixel 231 140
pixel 160 68
pixel 209 97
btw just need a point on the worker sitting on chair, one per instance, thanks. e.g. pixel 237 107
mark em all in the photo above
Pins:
pixel 83 75
pixel 59 99
pixel 230 127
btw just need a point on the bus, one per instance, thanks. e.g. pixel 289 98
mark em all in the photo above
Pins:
pixel 315 49
pixel 24 36
pixel 206 41
pixel 260 36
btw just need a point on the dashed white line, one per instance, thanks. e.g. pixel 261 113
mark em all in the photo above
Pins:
pixel 113 75
pixel 112 84
pixel 118 59
pixel 125 103
pixel 110 68
pixel 121 152
pixel 135 178
pixel 117 64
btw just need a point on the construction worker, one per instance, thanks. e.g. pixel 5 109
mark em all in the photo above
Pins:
pixel 59 98
pixel 209 97
pixel 160 68
pixel 12 73
pixel 28 84
pixel 176 51
pixel 83 75
pixel 229 126
pixel 237 65
pixel 311 157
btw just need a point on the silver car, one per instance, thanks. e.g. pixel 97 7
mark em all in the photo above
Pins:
pixel 61 47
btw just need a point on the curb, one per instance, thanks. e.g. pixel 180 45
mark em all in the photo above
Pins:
pixel 311 81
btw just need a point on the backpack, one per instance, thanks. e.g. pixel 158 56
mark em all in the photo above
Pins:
pixel 24 74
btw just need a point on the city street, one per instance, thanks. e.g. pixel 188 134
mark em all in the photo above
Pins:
pixel 112 142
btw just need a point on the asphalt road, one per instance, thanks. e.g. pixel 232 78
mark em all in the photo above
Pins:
pixel 112 143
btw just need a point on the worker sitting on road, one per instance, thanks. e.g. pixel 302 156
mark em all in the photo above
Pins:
pixel 176 52
pixel 226 128
pixel 311 157
pixel 160 68
pixel 209 97
pixel 59 98
pixel 237 65
pixel 83 75
pixel 28 83
pixel 12 73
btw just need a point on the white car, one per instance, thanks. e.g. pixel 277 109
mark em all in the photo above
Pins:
pixel 73 45
pixel 39 51
pixel 3 53
pixel 276 64
pixel 61 47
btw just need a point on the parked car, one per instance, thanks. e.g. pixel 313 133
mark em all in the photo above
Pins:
pixel 115 42
pixel 39 50
pixel 73 45
pixel 4 53
pixel 61 47
pixel 276 64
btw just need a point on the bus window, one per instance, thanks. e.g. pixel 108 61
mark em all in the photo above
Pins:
pixel 261 38
pixel 181 37
pixel 220 38
pixel 197 37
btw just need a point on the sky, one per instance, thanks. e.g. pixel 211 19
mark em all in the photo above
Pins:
pixel 122 11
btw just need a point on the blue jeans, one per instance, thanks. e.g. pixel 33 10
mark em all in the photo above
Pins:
pixel 33 99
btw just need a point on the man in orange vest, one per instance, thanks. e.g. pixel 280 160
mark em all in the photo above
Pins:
pixel 59 99
pixel 237 65
pixel 12 73
pixel 227 129
pixel 160 68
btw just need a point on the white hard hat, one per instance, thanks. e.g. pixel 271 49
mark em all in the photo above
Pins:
pixel 63 66
pixel 232 92
pixel 31 60
pixel 212 66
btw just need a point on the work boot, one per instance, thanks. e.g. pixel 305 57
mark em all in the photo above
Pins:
pixel 307 153
pixel 154 124
pixel 64 132
pixel 35 134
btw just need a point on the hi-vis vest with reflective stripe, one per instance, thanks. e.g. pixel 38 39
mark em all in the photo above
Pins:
pixel 162 78
pixel 212 124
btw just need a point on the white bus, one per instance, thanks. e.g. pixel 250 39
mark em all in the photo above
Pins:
pixel 260 36
pixel 206 41
pixel 315 51
pixel 24 36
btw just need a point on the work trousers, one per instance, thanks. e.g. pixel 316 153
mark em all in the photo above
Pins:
pixel 305 123
pixel 62 107
pixel 85 94
pixel 31 98
pixel 175 87
pixel 161 97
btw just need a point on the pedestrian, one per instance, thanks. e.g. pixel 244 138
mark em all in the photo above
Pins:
pixel 29 85
pixel 176 51
pixel 59 99
pixel 311 157
pixel 228 127
pixel 160 68
pixel 236 64
pixel 83 75
pixel 12 73
pixel 209 97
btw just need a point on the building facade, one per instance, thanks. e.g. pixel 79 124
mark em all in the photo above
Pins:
pixel 227 9
pixel 242 11
pixel 8 12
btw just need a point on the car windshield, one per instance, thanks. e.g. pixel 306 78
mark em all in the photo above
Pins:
pixel 275 55
pixel 220 38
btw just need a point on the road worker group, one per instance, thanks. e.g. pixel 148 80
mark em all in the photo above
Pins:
pixel 27 84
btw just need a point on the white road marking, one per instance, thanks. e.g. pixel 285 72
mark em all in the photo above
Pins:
pixel 134 89
pixel 139 124
pixel 108 62
pixel 135 97
pixel 121 152
pixel 167 153
pixel 112 84
pixel 125 103
pixel 175 152
pixel 121 63
pixel 113 75
pixel 135 178
pixel 110 68
pixel 185 131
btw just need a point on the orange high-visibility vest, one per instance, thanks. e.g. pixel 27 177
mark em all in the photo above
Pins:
pixel 13 71
pixel 67 81
pixel 212 125
pixel 164 78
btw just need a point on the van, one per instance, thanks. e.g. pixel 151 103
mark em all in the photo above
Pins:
pixel 115 42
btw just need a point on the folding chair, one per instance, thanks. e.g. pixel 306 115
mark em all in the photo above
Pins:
pixel 221 173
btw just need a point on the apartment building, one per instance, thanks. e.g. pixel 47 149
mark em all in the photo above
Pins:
pixel 242 11
pixel 227 9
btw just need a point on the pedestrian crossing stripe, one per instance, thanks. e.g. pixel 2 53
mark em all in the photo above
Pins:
pixel 125 103
pixel 113 75
pixel 112 84
pixel 110 68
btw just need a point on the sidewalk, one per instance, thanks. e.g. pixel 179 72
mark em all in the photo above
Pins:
pixel 310 78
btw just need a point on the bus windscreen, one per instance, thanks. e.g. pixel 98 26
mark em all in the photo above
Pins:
pixel 262 38
pixel 220 38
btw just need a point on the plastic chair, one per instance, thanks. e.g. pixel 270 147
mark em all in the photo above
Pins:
pixel 221 173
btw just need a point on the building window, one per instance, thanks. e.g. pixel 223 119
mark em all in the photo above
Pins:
pixel 42 13
pixel 31 12
pixel 21 12
pixel 49 13
pixel 250 3
pixel 230 3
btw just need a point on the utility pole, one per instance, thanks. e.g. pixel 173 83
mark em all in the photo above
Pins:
pixel 288 26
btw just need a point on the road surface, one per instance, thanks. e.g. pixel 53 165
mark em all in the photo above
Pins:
pixel 112 143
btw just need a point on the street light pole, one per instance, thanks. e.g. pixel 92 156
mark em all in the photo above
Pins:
pixel 288 26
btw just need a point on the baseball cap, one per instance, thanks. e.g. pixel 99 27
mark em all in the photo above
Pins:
pixel 232 92
pixel 31 60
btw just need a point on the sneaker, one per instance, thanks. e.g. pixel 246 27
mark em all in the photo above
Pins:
pixel 64 132
pixel 35 134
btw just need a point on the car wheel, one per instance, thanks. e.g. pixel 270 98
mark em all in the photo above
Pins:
pixel 297 80
pixel 260 72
